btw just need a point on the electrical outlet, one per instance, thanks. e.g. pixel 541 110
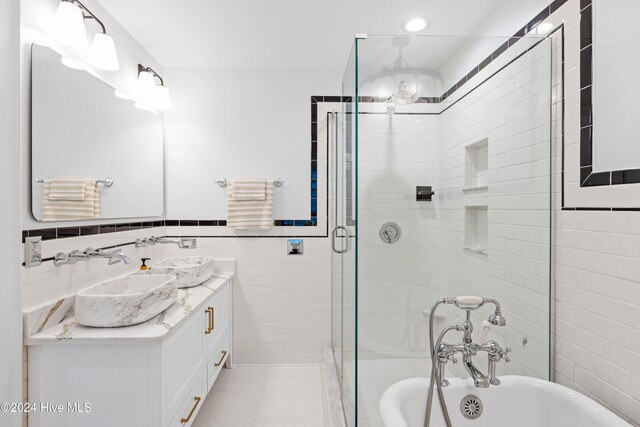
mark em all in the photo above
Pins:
pixel 32 251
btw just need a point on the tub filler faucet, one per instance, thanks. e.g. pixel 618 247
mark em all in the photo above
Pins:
pixel 442 353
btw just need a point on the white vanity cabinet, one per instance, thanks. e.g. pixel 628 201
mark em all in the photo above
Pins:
pixel 154 374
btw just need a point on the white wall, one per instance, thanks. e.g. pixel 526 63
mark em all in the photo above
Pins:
pixel 10 333
pixel 35 19
pixel 597 267
pixel 237 123
pixel 511 111
pixel 504 21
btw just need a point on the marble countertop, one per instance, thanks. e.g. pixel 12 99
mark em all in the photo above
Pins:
pixel 155 329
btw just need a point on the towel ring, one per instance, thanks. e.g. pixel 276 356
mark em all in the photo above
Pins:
pixel 108 182
pixel 222 182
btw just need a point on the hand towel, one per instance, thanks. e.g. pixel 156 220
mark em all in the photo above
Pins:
pixel 250 214
pixel 65 188
pixel 88 207
pixel 249 189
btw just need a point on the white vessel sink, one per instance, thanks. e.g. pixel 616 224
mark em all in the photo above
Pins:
pixel 189 270
pixel 125 301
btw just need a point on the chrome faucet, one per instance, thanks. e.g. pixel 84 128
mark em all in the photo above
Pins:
pixel 181 242
pixel 74 256
pixel 469 349
pixel 442 353
pixel 114 256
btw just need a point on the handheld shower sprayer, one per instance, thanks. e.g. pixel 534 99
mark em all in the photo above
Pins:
pixel 441 353
pixel 474 302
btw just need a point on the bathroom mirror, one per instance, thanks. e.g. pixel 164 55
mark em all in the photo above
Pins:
pixel 80 129
pixel 614 87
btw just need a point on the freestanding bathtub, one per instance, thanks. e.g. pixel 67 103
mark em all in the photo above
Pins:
pixel 517 402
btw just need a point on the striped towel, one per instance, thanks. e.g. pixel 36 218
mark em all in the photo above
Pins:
pixel 250 214
pixel 65 188
pixel 61 200
pixel 249 189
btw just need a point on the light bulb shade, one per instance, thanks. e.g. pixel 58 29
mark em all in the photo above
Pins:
pixel 103 53
pixel 161 98
pixel 73 63
pixel 67 26
pixel 146 82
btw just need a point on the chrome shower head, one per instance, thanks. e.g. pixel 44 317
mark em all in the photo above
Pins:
pixel 496 319
pixel 403 96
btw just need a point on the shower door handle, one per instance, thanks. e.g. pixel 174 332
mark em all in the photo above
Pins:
pixel 334 234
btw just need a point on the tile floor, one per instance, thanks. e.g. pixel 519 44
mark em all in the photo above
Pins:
pixel 268 396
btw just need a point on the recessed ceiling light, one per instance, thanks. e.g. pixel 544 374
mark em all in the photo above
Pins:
pixel 414 25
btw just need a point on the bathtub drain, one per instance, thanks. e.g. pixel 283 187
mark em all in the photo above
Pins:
pixel 471 407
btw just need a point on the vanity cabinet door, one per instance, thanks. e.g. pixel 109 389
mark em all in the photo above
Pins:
pixel 219 308
pixel 185 358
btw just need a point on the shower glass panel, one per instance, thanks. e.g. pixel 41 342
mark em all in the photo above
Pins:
pixel 342 135
pixel 469 120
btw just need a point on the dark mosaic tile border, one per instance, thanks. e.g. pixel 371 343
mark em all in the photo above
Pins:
pixel 88 230
pixel 588 178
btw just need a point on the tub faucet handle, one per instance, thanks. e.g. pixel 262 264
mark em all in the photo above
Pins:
pixel 505 355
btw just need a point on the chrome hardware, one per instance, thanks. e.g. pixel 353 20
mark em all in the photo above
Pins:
pixel 222 182
pixel 441 353
pixel 390 232
pixel 295 246
pixel 181 242
pixel 108 182
pixel 471 407
pixel 74 256
pixel 334 234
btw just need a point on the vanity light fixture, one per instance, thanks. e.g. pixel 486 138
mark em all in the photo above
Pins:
pixel 69 29
pixel 414 25
pixel 68 25
pixel 151 94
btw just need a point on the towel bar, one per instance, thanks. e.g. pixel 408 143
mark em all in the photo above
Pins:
pixel 108 182
pixel 222 182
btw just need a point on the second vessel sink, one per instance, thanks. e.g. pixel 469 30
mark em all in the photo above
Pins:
pixel 189 270
pixel 126 300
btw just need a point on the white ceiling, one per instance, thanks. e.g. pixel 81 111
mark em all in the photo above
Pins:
pixel 280 33
pixel 297 33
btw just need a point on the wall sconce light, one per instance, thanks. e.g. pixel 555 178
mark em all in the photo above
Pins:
pixel 68 28
pixel 152 95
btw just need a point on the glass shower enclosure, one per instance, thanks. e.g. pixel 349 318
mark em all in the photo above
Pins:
pixel 440 186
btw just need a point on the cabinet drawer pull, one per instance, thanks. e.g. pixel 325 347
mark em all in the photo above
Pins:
pixel 186 420
pixel 213 319
pixel 209 312
pixel 224 353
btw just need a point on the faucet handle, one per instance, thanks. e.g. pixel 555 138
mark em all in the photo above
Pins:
pixel 504 355
pixel 188 243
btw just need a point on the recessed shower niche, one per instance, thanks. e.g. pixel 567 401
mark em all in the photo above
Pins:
pixel 476 224
pixel 476 161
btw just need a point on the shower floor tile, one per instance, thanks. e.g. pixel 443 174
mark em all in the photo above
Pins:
pixel 266 396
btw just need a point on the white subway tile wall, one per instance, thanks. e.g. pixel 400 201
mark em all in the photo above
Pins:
pixel 506 253
pixel 282 304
